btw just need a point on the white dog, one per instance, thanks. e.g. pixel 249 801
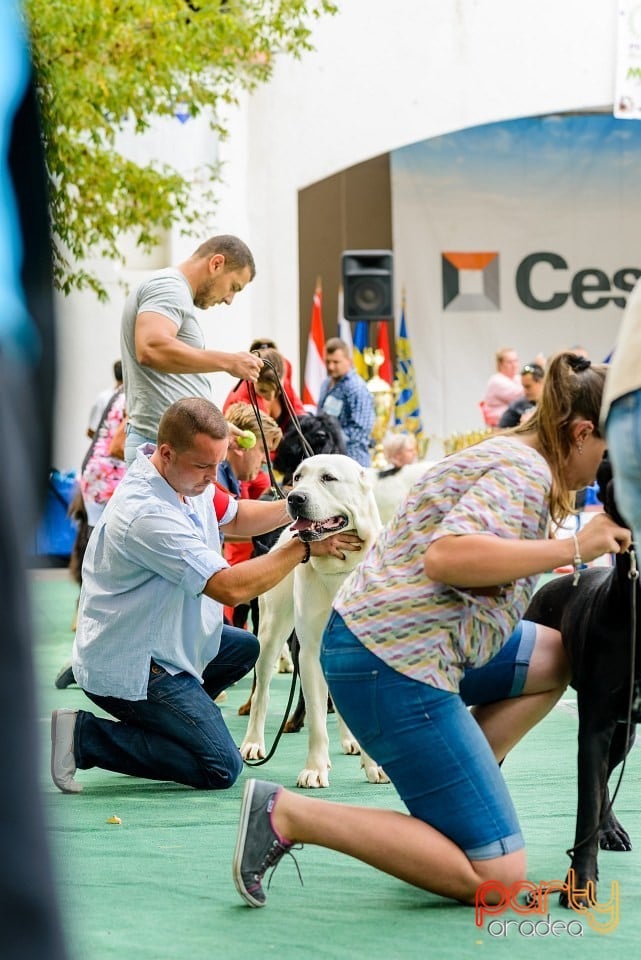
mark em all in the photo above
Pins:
pixel 330 492
pixel 392 486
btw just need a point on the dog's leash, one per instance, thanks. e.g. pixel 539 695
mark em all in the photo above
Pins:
pixel 633 576
pixel 280 495
pixel 253 399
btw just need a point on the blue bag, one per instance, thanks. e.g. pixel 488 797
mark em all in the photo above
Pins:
pixel 56 531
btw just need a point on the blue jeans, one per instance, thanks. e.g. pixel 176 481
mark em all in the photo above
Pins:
pixel 133 441
pixel 428 743
pixel 623 433
pixel 178 732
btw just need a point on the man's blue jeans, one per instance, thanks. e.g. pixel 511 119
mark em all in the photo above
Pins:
pixel 623 433
pixel 178 732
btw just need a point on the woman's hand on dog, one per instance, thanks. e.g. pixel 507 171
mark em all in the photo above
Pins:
pixel 335 545
pixel 602 535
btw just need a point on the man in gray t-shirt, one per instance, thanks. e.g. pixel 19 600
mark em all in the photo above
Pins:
pixel 162 345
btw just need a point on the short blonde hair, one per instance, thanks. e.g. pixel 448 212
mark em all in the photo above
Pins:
pixel 395 443
pixel 242 416
pixel 500 355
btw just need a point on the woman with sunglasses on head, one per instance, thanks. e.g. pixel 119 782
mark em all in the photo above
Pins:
pixel 429 623
pixel 532 383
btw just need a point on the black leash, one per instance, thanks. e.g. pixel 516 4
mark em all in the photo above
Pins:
pixel 633 576
pixel 279 495
pixel 290 700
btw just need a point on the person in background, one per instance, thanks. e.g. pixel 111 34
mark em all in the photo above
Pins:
pixel 580 351
pixel 162 344
pixel 428 623
pixel 102 470
pixel 399 449
pixel 503 387
pixel 392 483
pixel 344 395
pixel 264 343
pixel 273 390
pixel 532 382
pixel 104 465
pixel 101 401
pixel 243 474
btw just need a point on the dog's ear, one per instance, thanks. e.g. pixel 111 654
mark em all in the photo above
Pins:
pixel 607 494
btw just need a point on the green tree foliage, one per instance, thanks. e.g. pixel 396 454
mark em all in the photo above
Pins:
pixel 106 66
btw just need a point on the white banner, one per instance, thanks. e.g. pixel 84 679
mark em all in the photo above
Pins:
pixel 521 234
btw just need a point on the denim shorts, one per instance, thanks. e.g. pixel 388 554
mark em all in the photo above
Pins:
pixel 504 675
pixel 427 741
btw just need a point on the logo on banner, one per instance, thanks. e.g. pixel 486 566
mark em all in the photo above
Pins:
pixel 543 281
pixel 470 281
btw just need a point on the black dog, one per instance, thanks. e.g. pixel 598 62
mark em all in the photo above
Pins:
pixel 322 432
pixel 594 618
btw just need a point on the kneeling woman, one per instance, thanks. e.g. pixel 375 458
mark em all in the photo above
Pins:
pixel 428 623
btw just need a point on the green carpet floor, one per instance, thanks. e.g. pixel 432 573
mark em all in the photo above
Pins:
pixel 158 886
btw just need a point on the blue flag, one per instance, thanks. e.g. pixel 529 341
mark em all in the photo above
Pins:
pixel 361 342
pixel 407 414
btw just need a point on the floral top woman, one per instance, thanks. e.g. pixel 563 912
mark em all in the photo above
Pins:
pixel 104 465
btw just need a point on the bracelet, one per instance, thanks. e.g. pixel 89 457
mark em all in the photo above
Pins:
pixel 577 561
pixel 308 551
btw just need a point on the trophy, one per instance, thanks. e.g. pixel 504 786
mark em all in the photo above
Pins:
pixel 383 397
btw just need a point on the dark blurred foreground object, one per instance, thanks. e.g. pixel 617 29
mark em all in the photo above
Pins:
pixel 29 922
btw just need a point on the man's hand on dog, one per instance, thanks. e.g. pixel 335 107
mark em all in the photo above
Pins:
pixel 602 535
pixel 335 545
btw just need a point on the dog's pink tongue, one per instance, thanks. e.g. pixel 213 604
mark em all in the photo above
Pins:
pixel 301 524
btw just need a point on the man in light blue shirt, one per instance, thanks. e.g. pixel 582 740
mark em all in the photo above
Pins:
pixel 344 395
pixel 150 647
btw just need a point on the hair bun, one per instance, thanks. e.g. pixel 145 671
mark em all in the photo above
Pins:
pixel 578 364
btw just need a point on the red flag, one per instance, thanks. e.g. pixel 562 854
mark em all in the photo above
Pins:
pixel 315 371
pixel 382 343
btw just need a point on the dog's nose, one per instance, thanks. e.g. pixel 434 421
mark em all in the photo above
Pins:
pixel 296 499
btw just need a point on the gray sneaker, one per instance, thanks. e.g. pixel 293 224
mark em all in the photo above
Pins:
pixel 63 761
pixel 258 846
pixel 65 677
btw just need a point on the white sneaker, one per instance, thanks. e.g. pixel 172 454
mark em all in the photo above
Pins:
pixel 63 761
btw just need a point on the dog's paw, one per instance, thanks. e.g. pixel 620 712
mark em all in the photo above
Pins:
pixel 350 746
pixel 285 664
pixel 374 773
pixel 294 724
pixel 250 750
pixel 581 889
pixel 312 778
pixel 613 836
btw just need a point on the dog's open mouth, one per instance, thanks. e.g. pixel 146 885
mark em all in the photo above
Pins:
pixel 317 529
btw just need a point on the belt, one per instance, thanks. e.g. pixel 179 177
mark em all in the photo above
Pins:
pixel 491 591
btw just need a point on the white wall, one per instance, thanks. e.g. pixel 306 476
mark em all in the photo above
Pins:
pixel 382 75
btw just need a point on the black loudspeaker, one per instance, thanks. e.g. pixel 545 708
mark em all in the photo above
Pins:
pixel 368 284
